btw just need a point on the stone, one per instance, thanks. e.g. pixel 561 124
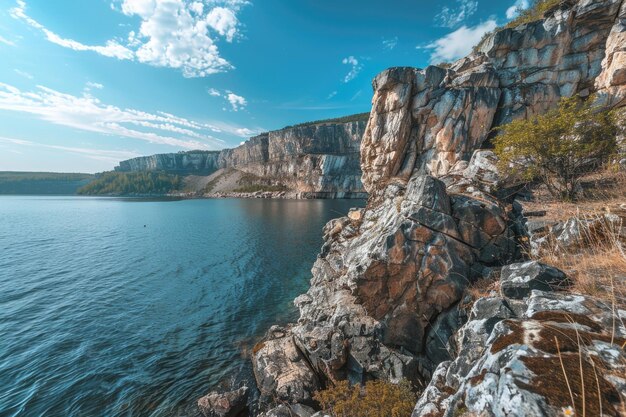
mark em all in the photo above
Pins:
pixel 387 291
pixel 518 280
pixel 289 410
pixel 516 368
pixel 224 404
pixel 281 371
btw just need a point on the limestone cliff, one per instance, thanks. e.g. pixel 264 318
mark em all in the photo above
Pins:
pixel 316 160
pixel 386 290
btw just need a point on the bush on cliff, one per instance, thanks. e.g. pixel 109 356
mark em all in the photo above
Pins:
pixel 375 399
pixel 558 147
pixel 533 13
pixel 132 183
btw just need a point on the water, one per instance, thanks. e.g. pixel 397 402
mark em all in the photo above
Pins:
pixel 103 316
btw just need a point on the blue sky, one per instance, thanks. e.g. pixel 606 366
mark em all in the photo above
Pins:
pixel 87 83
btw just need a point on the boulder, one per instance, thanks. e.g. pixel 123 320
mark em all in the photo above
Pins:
pixel 520 367
pixel 518 280
pixel 281 371
pixel 224 404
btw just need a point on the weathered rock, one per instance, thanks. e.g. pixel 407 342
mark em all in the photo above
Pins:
pixel 386 288
pixel 518 280
pixel 289 410
pixel 317 160
pixel 516 367
pixel 281 372
pixel 224 404
pixel 611 83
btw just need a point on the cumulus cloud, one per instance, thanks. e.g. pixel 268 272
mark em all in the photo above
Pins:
pixel 224 21
pixel 236 102
pixel 90 114
pixel 213 92
pixel 391 43
pixel 459 43
pixel 452 17
pixel 513 11
pixel 356 68
pixel 178 34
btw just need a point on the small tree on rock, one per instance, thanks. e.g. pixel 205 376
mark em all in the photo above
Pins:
pixel 558 147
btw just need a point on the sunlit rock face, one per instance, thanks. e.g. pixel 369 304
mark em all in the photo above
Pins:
pixel 319 160
pixel 428 121
pixel 387 289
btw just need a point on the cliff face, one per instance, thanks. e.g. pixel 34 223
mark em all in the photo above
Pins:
pixel 387 288
pixel 319 160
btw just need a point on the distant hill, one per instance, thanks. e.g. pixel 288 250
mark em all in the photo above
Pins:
pixel 47 183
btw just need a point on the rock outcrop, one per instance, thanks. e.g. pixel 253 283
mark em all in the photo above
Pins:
pixel 315 160
pixel 387 290
pixel 533 358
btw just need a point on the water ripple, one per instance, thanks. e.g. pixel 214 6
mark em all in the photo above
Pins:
pixel 101 316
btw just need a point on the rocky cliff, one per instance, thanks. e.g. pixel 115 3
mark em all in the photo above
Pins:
pixel 387 289
pixel 316 160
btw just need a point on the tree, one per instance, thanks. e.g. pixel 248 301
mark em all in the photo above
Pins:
pixel 558 147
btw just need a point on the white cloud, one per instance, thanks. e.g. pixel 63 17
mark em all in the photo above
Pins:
pixel 459 43
pixel 390 43
pixel 513 11
pixel 172 33
pixel 237 102
pixel 112 48
pixel 224 21
pixel 215 93
pixel 23 74
pixel 89 114
pixel 331 95
pixel 356 68
pixel 6 41
pixel 451 17
pixel 97 154
pixel 96 86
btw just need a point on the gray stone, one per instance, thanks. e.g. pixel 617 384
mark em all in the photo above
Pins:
pixel 224 404
pixel 518 280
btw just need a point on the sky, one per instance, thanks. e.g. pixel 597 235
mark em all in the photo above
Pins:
pixel 87 83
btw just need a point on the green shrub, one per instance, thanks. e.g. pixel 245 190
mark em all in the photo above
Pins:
pixel 559 147
pixel 375 399
pixel 132 183
pixel 535 12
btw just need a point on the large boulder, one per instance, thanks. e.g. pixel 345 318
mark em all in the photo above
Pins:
pixel 522 365
pixel 281 371
pixel 518 280
pixel 224 404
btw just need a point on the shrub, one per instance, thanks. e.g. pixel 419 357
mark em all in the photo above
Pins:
pixel 375 399
pixel 559 147
pixel 535 12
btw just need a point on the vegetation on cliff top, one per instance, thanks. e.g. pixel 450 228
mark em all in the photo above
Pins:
pixel 360 117
pixel 535 12
pixel 133 183
pixel 560 146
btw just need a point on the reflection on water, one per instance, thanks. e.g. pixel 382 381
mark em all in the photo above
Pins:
pixel 116 309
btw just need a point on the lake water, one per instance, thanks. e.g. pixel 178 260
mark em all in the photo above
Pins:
pixel 117 307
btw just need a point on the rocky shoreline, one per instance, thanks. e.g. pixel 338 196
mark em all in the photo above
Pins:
pixel 390 291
